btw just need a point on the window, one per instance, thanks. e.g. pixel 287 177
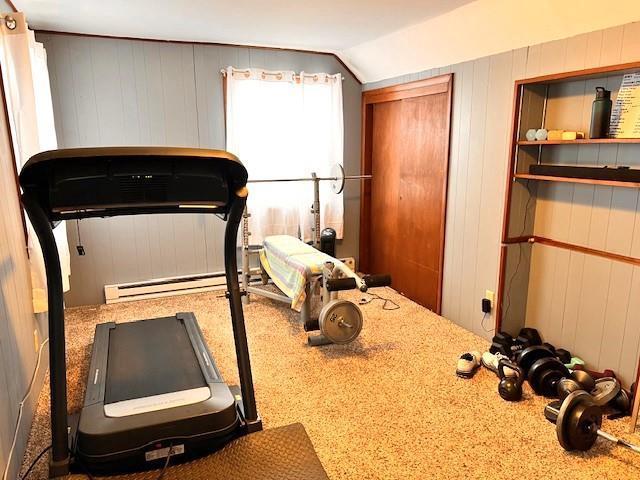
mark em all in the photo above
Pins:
pixel 282 125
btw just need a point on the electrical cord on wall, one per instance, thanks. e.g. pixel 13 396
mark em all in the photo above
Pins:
pixel 515 272
pixel 21 408
pixel 484 317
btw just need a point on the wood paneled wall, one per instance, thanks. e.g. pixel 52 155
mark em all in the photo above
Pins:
pixel 586 304
pixel 133 92
pixel 18 353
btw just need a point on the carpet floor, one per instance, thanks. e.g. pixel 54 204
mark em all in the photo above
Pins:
pixel 387 406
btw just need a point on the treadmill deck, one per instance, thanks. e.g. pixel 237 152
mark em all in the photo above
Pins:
pixel 152 383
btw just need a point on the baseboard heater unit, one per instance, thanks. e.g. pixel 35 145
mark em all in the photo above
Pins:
pixel 181 285
pixel 618 174
pixel 164 287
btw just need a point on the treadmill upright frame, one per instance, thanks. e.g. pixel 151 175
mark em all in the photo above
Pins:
pixel 37 190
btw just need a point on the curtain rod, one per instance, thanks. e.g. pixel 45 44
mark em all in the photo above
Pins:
pixel 296 76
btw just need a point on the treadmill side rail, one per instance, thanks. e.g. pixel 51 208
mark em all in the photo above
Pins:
pixel 98 367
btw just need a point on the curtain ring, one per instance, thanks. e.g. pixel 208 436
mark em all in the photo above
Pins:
pixel 247 74
pixel 10 22
pixel 315 78
pixel 279 76
pixel 263 75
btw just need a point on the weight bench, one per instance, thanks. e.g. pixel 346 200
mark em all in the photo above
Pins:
pixel 300 271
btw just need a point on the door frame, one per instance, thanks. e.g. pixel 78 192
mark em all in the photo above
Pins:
pixel 420 88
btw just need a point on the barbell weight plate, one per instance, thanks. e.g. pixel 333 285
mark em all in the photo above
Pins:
pixel 530 355
pixel 340 321
pixel 605 390
pixel 337 183
pixel 583 423
pixel 562 429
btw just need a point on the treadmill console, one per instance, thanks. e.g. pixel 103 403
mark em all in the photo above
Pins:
pixel 90 182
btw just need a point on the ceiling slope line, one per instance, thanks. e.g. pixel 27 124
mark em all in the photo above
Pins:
pixel 195 42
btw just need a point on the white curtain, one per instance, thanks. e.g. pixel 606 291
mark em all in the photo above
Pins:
pixel 283 125
pixel 28 96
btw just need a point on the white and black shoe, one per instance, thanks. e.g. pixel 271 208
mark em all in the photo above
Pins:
pixel 468 364
pixel 490 361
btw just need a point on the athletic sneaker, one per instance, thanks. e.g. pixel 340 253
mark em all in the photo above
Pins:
pixel 490 361
pixel 468 364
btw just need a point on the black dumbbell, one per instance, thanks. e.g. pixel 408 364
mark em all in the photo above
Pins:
pixel 544 375
pixel 578 420
pixel 501 343
pixel 548 376
pixel 563 355
pixel 505 344
pixel 527 337
pixel 527 357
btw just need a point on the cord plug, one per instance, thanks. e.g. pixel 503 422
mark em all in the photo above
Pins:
pixel 486 305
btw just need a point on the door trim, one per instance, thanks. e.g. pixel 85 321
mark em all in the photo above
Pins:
pixel 420 88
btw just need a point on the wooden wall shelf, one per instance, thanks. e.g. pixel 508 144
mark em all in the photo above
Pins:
pixel 530 100
pixel 586 74
pixel 574 248
pixel 587 181
pixel 585 141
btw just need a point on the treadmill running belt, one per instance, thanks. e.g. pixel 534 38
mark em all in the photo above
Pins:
pixel 150 357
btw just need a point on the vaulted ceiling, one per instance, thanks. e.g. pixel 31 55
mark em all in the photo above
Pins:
pixel 376 38
pixel 327 25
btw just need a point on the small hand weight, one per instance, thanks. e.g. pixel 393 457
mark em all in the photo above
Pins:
pixel 510 387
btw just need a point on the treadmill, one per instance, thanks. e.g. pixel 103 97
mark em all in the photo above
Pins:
pixel 153 388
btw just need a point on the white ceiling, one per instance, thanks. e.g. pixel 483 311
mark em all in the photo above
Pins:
pixel 325 25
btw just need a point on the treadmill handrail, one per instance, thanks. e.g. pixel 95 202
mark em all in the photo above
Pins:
pixel 59 463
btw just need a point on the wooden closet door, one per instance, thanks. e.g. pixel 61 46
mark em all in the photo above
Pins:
pixel 408 145
pixel 385 187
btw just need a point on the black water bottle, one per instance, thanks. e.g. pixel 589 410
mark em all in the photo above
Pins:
pixel 600 114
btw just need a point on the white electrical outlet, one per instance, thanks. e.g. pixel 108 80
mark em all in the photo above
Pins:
pixel 489 295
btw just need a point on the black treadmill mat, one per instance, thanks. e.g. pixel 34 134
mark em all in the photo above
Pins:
pixel 150 357
pixel 284 453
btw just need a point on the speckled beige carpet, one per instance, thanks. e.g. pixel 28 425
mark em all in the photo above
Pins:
pixel 387 406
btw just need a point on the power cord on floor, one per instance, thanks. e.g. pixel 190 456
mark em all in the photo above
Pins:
pixel 35 461
pixel 86 470
pixel 166 463
pixel 375 296
pixel 21 408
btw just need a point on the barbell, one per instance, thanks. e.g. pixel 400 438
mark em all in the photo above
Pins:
pixel 336 177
